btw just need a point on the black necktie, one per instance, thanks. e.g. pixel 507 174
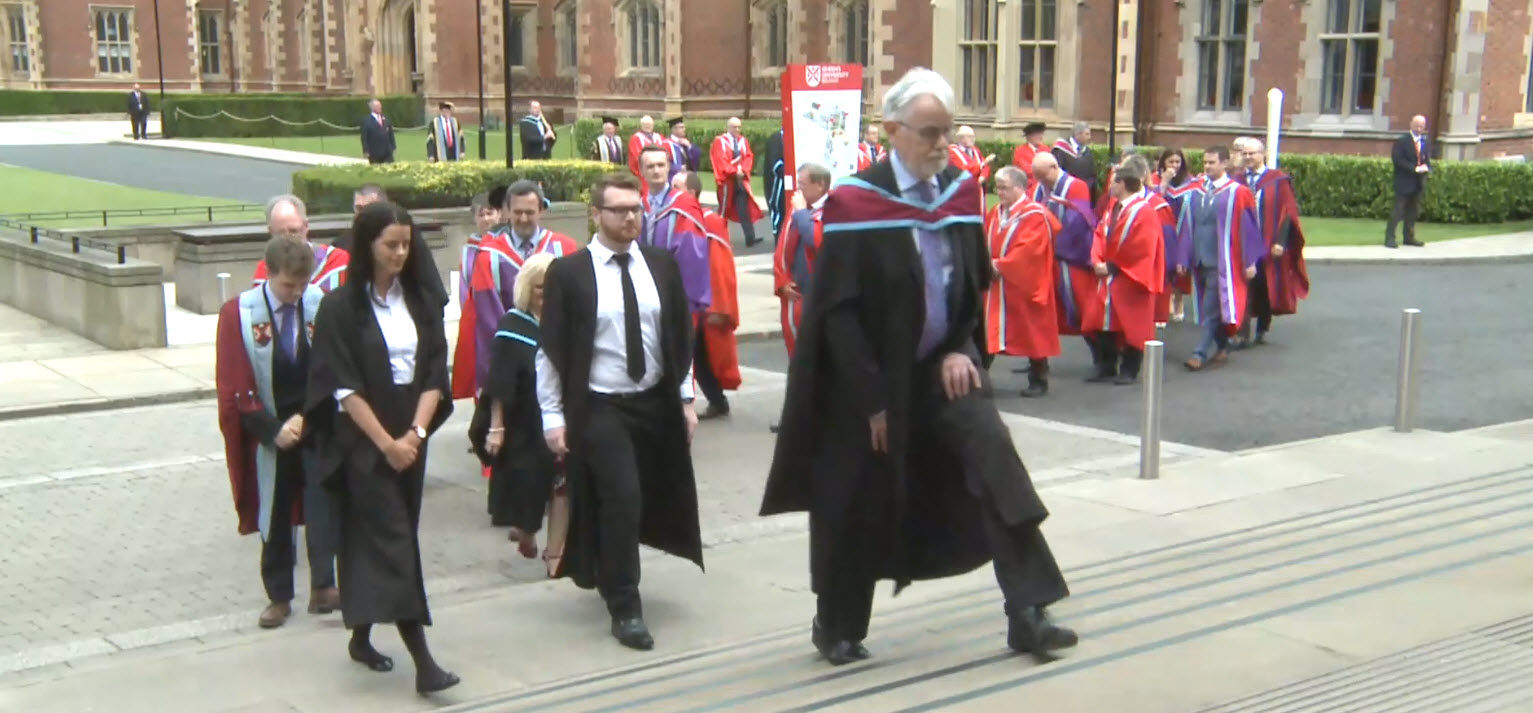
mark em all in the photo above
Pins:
pixel 631 333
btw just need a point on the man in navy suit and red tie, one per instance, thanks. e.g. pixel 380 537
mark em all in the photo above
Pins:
pixel 377 135
pixel 1412 157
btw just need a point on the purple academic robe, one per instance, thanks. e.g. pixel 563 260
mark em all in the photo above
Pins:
pixel 683 158
pixel 675 222
pixel 1239 239
pixel 1070 202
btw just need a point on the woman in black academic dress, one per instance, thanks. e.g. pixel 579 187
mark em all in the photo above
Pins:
pixel 507 430
pixel 377 391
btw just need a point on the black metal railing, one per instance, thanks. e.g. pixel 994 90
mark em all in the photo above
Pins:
pixel 37 234
pixel 209 211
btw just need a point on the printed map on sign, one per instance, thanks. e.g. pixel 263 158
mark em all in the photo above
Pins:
pixel 825 127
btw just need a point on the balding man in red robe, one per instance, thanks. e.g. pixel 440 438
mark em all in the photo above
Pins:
pixel 1128 256
pixel 965 155
pixel 1020 317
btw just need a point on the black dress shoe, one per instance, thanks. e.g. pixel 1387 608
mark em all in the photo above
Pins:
pixel 1414 242
pixel 432 681
pixel 838 652
pixel 861 652
pixel 713 412
pixel 1031 632
pixel 632 632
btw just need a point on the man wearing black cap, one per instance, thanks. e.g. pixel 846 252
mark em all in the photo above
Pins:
pixel 609 148
pixel 444 141
pixel 1023 157
pixel 684 156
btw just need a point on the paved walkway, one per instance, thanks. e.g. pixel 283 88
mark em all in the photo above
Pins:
pixel 1365 571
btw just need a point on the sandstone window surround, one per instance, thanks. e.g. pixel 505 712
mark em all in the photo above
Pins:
pixel 271 29
pixel 978 45
pixel 523 58
pixel 850 33
pixel 981 44
pixel 773 31
pixel 1037 54
pixel 306 45
pixel 640 35
pixel 566 38
pixel 19 55
pixel 1217 50
pixel 1341 88
pixel 210 43
pixel 113 35
pixel 1527 84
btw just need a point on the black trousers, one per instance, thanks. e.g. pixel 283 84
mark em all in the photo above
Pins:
pixel 279 554
pixel 1258 301
pixel 381 159
pixel 623 435
pixel 971 428
pixel 1407 208
pixel 743 209
pixel 140 125
pixel 707 381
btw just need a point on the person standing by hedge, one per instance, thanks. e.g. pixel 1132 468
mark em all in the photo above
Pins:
pixel 608 147
pixel 733 162
pixel 1281 280
pixel 685 156
pixel 138 112
pixel 1074 155
pixel 377 135
pixel 1032 145
pixel 1412 157
pixel 538 136
pixel 444 141
pixel 645 136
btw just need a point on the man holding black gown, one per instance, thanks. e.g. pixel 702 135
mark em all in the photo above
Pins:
pixel 890 438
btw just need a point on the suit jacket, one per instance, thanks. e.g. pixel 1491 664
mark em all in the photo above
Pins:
pixel 534 143
pixel 138 104
pixel 568 328
pixel 377 139
pixel 1407 181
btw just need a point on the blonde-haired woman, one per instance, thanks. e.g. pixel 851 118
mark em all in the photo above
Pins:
pixel 507 430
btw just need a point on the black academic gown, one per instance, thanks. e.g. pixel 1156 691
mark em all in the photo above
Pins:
pixel 774 170
pixel 379 568
pixel 856 356
pixel 522 474
pixel 670 521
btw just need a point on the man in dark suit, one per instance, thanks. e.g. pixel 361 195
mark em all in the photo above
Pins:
pixel 1074 155
pixel 138 112
pixel 377 135
pixel 615 386
pixel 1412 157
pixel 890 436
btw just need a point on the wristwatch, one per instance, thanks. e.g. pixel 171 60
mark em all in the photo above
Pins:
pixel 420 431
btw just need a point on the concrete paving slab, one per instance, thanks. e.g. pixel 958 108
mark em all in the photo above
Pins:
pixel 1198 483
pixel 1515 431
pixel 116 362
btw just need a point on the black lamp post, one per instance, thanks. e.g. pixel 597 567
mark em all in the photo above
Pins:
pixel 479 35
pixel 159 53
pixel 505 61
pixel 1112 103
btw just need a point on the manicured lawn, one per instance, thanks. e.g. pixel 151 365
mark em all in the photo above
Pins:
pixel 25 191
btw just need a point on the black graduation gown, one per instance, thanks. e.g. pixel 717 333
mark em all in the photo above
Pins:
pixel 378 560
pixel 867 299
pixel 522 474
pixel 670 521
pixel 773 168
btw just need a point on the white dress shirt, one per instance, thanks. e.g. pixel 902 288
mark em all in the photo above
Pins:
pixel 609 359
pixel 399 335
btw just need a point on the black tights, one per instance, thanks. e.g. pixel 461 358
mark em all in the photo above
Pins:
pixel 411 632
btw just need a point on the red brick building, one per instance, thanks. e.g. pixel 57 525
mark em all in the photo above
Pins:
pixel 1191 72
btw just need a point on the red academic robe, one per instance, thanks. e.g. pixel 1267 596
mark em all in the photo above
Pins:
pixel 1174 196
pixel 1278 211
pixel 782 270
pixel 1023 158
pixel 1169 235
pixel 1125 302
pixel 636 143
pixel 723 349
pixel 1075 283
pixel 235 382
pixel 1020 315
pixel 726 166
pixel 869 154
pixel 329 268
pixel 971 160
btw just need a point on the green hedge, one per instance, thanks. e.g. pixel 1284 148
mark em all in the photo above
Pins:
pixel 26 102
pixel 299 114
pixel 328 189
pixel 700 131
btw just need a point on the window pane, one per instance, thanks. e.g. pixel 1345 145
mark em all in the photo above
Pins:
pixel 1029 19
pixel 1208 74
pixel 1368 16
pixel 988 78
pixel 1027 74
pixel 1333 67
pixel 1365 66
pixel 1337 18
pixel 1234 74
pixel 1211 10
pixel 1046 76
pixel 1239 18
pixel 968 76
pixel 968 19
pixel 1047 19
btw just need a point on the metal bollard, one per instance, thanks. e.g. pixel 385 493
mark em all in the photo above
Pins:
pixel 1405 379
pixel 1153 373
pixel 223 287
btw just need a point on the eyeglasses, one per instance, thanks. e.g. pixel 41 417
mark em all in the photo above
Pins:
pixel 623 211
pixel 930 133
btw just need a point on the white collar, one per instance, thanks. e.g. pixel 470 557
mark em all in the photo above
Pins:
pixel 903 178
pixel 820 204
pixel 601 254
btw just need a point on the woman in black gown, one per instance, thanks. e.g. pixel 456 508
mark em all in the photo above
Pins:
pixel 377 391
pixel 507 430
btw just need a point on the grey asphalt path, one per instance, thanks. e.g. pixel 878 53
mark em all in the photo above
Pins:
pixel 160 169
pixel 1329 369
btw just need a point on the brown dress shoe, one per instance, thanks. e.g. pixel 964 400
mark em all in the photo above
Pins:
pixel 1193 364
pixel 275 615
pixel 1220 357
pixel 324 601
